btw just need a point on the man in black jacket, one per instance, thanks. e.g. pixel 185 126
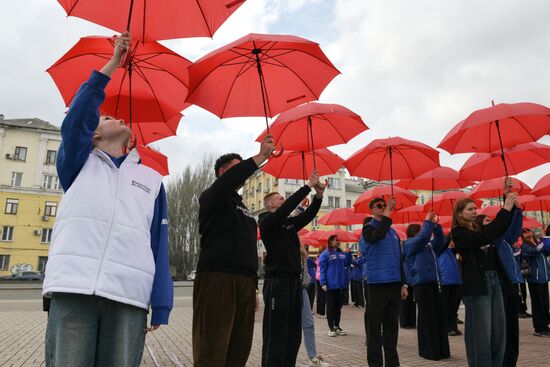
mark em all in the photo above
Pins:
pixel 225 289
pixel 282 330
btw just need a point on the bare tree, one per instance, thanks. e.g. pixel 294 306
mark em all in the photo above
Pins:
pixel 183 193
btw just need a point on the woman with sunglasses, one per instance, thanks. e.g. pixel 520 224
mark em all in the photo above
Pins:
pixel 482 277
pixel 537 281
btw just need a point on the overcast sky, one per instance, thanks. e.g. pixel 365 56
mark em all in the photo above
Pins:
pixel 409 68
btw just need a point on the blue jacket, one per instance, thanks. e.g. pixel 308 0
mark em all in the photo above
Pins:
pixel 450 272
pixel 383 258
pixel 333 265
pixel 421 254
pixel 540 272
pixel 408 273
pixel 506 250
pixel 357 269
pixel 311 268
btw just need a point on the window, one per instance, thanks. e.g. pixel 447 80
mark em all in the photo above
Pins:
pixel 269 184
pixel 42 260
pixel 314 224
pixel 16 178
pixel 348 203
pixel 336 202
pixel 20 154
pixel 291 181
pixel 331 201
pixel 287 194
pixel 11 206
pixel 259 204
pixel 259 186
pixel 253 207
pixel 51 156
pixel 422 199
pixel 7 233
pixel 51 182
pixel 50 210
pixel 46 235
pixel 333 183
pixel 4 262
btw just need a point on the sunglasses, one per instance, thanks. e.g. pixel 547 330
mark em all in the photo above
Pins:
pixel 526 230
pixel 380 206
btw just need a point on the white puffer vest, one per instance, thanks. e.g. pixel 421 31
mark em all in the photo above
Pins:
pixel 101 239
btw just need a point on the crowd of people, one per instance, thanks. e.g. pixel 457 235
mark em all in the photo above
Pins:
pixel 109 264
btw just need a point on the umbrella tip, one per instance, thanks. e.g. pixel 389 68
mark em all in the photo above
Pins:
pixel 493 102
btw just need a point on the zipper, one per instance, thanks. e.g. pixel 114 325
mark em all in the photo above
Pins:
pixel 436 267
pixel 110 229
pixel 545 269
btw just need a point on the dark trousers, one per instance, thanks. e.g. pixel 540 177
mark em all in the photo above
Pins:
pixel 321 300
pixel 365 316
pixel 511 311
pixel 335 298
pixel 451 302
pixel 345 296
pixel 311 294
pixel 383 327
pixel 523 298
pixel 223 319
pixel 433 341
pixel 357 296
pixel 282 324
pixel 539 306
pixel 407 311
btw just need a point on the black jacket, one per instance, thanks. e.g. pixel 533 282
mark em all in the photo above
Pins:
pixel 280 235
pixel 468 244
pixel 227 228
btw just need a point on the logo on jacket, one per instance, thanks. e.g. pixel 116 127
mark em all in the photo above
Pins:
pixel 245 212
pixel 141 186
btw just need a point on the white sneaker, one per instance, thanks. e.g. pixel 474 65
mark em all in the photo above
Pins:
pixel 339 331
pixel 332 333
pixel 318 361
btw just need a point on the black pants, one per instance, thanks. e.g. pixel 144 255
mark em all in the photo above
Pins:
pixel 523 298
pixel 282 324
pixel 433 340
pixel 345 295
pixel 321 300
pixel 365 316
pixel 311 293
pixel 407 311
pixel 451 302
pixel 539 306
pixel 335 298
pixel 383 328
pixel 511 311
pixel 357 296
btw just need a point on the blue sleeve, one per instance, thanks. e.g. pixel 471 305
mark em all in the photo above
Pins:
pixel 349 259
pixel 78 128
pixel 514 229
pixel 416 244
pixel 438 241
pixel 359 261
pixel 162 297
pixel 528 251
pixel 546 242
pixel 323 269
pixel 311 264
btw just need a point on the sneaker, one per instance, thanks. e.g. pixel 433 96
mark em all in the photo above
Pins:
pixel 454 333
pixel 339 331
pixel 332 333
pixel 459 321
pixel 544 334
pixel 318 361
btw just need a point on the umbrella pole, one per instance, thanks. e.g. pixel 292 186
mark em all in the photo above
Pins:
pixel 312 146
pixel 257 51
pixel 391 171
pixel 501 149
pixel 130 15
pixel 130 92
pixel 304 167
pixel 432 193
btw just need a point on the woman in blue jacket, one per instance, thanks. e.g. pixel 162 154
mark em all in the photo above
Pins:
pixel 537 281
pixel 333 263
pixel 357 295
pixel 421 253
pixel 451 280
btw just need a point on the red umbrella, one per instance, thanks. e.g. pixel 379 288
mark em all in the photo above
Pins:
pixel 531 223
pixel 259 75
pixel 494 188
pixel 403 197
pixel 542 187
pixel 315 125
pixel 483 166
pixel 148 132
pixel 310 241
pixel 158 86
pixel 392 158
pixel 411 214
pixel 155 20
pixel 445 221
pixel 497 127
pixel 440 178
pixel 535 203
pixel 153 159
pixel 342 217
pixel 299 165
pixel 343 236
pixel 490 210
pixel 303 231
pixel 443 203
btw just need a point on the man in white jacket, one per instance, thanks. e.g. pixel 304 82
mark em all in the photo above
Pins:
pixel 108 260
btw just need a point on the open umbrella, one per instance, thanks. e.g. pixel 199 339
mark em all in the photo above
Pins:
pixel 155 20
pixel 498 127
pixel 529 222
pixel 392 158
pixel 494 188
pixel 403 197
pixel 342 217
pixel 299 165
pixel 343 236
pixel 484 166
pixel 411 214
pixel 149 132
pixel 490 210
pixel 542 187
pixel 153 159
pixel 535 203
pixel 443 203
pixel 259 75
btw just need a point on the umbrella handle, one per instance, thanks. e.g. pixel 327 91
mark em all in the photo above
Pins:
pixel 126 58
pixel 277 154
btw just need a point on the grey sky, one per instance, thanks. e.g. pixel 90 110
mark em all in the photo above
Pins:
pixel 410 68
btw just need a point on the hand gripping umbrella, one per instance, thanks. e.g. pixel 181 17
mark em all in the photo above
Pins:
pixel 494 188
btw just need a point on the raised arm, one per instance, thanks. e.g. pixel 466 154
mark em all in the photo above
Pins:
pixel 418 243
pixel 374 234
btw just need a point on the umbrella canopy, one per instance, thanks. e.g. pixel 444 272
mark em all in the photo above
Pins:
pixel 315 125
pixel 494 188
pixel 440 178
pixel 342 217
pixel 392 158
pixel 259 75
pixel 159 82
pixel 542 187
pixel 490 210
pixel 155 20
pixel 149 132
pixel 531 223
pixel 443 203
pixel 307 241
pixel 299 165
pixel 411 214
pixel 484 166
pixel 153 159
pixel 403 198
pixel 445 221
pixel 535 203
pixel 343 236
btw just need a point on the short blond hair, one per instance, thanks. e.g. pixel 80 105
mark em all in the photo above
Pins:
pixel 269 196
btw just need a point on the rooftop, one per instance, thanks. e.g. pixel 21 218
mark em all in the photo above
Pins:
pixel 29 123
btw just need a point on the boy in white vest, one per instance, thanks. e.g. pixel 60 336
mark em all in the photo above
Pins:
pixel 108 259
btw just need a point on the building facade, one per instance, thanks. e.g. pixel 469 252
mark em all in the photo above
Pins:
pixel 30 192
